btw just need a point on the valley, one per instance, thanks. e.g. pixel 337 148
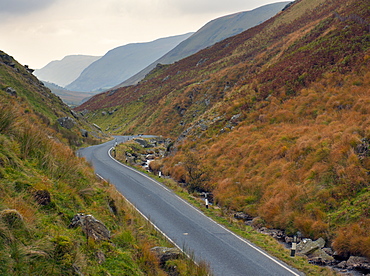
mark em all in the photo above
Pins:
pixel 273 122
pixel 258 122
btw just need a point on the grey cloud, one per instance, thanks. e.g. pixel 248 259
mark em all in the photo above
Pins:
pixel 211 6
pixel 18 7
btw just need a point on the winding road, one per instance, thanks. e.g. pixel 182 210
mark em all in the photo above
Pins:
pixel 189 229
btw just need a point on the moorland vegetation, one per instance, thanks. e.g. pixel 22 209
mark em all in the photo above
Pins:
pixel 44 185
pixel 274 121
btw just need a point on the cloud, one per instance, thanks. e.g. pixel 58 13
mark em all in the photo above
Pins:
pixel 19 7
pixel 213 6
pixel 36 32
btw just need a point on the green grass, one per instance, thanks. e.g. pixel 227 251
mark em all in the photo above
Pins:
pixel 265 242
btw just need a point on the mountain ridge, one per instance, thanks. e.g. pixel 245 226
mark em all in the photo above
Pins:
pixel 273 121
pixel 63 72
pixel 108 70
pixel 211 33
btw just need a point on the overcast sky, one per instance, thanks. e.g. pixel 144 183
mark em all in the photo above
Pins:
pixel 36 32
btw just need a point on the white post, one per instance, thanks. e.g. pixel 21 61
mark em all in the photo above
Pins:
pixel 294 247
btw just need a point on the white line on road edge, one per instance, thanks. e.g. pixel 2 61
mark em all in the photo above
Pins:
pixel 240 238
pixel 152 223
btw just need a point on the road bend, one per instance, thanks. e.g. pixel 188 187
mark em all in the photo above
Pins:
pixel 188 228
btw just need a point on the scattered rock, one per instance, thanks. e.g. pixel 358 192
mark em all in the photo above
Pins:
pixel 363 149
pixel 275 233
pixel 11 91
pixel 112 92
pixel 242 216
pixel 166 78
pixel 342 264
pixel 84 133
pixel 113 207
pixel 165 253
pixel 84 112
pixel 201 61
pixel 98 127
pixel 360 263
pixel 307 246
pixel 74 114
pixel 142 142
pixel 328 251
pixel 320 257
pixel 66 122
pixel 91 227
pixel 42 197
pixel 29 69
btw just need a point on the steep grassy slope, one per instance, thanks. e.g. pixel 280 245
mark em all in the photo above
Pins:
pixel 274 121
pixel 43 185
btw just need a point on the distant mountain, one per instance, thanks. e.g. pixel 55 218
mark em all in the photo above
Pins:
pixel 72 98
pixel 123 62
pixel 65 71
pixel 211 33
pixel 273 122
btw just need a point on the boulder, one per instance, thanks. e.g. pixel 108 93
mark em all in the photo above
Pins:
pixel 142 142
pixel 363 149
pixel 66 122
pixel 74 114
pixel 307 246
pixel 165 253
pixel 91 227
pixel 11 91
pixel 98 127
pixel 361 263
pixel 242 216
pixel 275 233
pixel 320 257
pixel 84 133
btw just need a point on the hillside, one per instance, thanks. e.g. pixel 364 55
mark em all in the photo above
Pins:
pixel 274 122
pixel 63 72
pixel 211 33
pixel 121 63
pixel 56 216
pixel 72 98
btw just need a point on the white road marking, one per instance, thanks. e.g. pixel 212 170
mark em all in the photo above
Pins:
pixel 229 231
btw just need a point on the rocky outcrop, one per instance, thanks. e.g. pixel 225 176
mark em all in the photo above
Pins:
pixel 11 91
pixel 308 246
pixel 92 227
pixel 356 263
pixel 152 148
pixel 363 149
pixel 315 251
pixel 165 253
pixel 84 133
pixel 66 122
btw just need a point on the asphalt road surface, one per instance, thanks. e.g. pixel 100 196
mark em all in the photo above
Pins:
pixel 226 253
